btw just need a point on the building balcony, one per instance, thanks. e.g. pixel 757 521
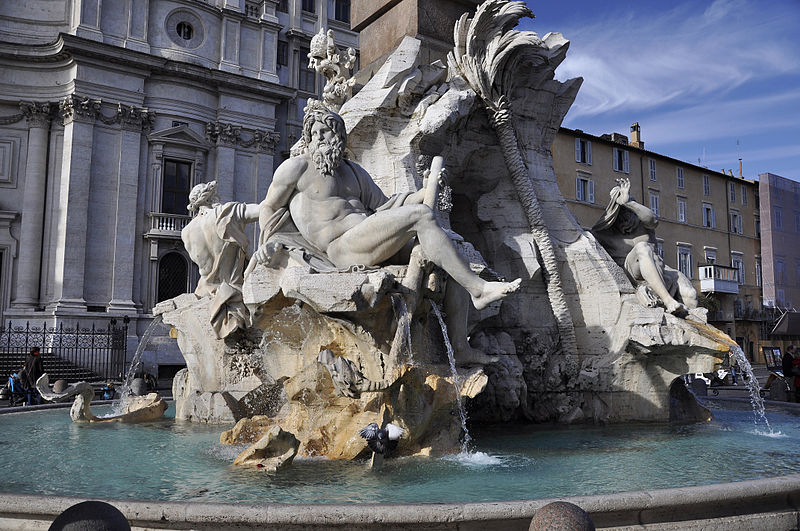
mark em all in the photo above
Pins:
pixel 749 314
pixel 167 225
pixel 720 317
pixel 719 279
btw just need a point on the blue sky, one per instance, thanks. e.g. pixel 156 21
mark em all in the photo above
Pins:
pixel 713 80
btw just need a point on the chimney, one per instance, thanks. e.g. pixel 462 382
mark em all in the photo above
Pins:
pixel 636 136
pixel 740 167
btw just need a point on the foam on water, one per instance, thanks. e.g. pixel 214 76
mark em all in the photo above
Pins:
pixel 772 434
pixel 475 459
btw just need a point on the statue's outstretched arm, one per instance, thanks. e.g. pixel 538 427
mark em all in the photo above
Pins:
pixel 284 184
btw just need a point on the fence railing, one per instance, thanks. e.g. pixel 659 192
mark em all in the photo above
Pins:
pixel 102 350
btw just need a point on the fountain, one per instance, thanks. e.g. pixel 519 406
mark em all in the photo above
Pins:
pixel 578 336
pixel 330 327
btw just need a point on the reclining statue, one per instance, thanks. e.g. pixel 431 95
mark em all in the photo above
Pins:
pixel 340 211
pixel 627 231
pixel 216 241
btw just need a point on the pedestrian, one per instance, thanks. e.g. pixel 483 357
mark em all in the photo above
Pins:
pixel 791 367
pixel 32 371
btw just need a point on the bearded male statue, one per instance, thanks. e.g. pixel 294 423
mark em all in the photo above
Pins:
pixel 339 210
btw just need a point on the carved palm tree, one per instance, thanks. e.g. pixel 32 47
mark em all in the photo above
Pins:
pixel 491 57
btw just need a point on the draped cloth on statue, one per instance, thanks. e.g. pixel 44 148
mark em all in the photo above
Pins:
pixel 280 233
pixel 224 280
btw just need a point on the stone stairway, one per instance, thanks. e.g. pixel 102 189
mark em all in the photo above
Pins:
pixel 55 367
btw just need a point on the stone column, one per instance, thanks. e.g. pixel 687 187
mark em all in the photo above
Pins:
pixel 132 120
pixel 73 199
pixel 225 136
pixel 33 202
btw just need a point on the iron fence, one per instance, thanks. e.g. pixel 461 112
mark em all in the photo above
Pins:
pixel 102 350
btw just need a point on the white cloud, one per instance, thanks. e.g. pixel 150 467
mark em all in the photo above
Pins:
pixel 751 156
pixel 645 59
pixel 719 119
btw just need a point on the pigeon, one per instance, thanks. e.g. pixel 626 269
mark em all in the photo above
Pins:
pixel 382 440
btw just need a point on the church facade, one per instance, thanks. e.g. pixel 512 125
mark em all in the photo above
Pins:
pixel 109 113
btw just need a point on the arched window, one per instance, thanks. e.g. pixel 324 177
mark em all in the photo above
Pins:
pixel 172 276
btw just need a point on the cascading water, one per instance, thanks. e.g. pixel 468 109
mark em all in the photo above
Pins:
pixel 125 390
pixel 403 320
pixel 756 401
pixel 462 413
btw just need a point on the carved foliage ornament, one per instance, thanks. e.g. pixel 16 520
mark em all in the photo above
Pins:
pixel 38 114
pixel 130 117
pixel 226 134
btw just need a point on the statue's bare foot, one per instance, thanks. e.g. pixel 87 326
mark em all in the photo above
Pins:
pixel 493 291
pixel 466 355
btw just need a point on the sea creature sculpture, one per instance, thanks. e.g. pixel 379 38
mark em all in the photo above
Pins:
pixel 347 379
pixel 137 408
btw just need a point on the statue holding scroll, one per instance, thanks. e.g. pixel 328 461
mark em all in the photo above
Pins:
pixel 340 211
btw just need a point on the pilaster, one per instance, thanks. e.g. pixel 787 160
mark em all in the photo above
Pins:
pixel 225 136
pixel 33 202
pixel 132 120
pixel 79 115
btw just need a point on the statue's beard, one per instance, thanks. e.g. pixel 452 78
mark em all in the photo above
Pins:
pixel 327 160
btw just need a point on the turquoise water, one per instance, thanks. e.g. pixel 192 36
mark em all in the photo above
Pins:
pixel 46 453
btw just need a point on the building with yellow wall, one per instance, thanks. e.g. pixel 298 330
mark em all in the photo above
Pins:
pixel 709 226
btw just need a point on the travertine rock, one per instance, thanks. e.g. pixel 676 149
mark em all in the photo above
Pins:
pixel 275 450
pixel 326 423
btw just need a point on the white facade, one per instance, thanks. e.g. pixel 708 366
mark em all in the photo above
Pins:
pixel 109 113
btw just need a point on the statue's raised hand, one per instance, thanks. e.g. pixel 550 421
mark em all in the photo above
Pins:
pixel 624 190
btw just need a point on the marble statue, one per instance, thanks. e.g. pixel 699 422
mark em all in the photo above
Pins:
pixel 136 408
pixel 216 241
pixel 343 299
pixel 627 231
pixel 341 212
pixel 346 378
pixel 335 66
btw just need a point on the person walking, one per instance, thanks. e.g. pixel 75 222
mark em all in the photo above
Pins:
pixel 791 367
pixel 30 373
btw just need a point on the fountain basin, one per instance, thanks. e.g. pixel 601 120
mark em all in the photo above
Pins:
pixel 760 504
pixel 185 475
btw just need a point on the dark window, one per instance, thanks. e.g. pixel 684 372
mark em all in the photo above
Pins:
pixel 283 6
pixel 310 6
pixel 283 53
pixel 175 187
pixel 184 30
pixel 307 78
pixel 342 11
pixel 178 123
pixel 172 276
pixel 252 10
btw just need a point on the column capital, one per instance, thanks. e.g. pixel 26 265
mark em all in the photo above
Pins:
pixel 75 107
pixel 264 141
pixel 37 113
pixel 134 118
pixel 223 134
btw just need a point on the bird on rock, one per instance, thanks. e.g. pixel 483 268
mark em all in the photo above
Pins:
pixel 382 440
